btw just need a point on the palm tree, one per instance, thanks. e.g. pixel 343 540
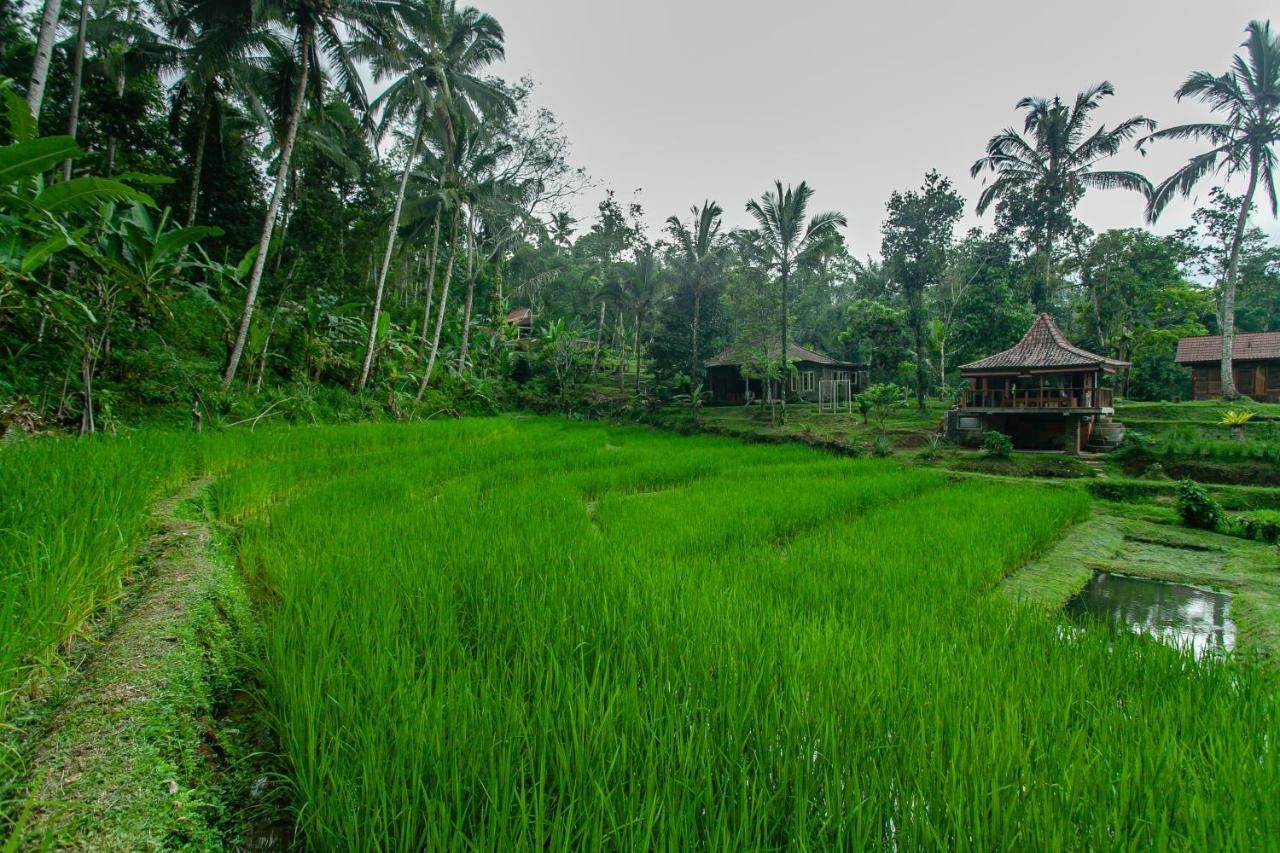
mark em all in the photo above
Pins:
pixel 436 58
pixel 643 291
pixel 477 156
pixel 219 49
pixel 1243 143
pixel 699 249
pixel 318 40
pixel 562 228
pixel 77 80
pixel 44 53
pixel 785 241
pixel 1044 171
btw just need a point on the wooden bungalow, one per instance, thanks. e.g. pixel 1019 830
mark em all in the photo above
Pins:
pixel 1044 393
pixel 1255 365
pixel 522 319
pixel 725 382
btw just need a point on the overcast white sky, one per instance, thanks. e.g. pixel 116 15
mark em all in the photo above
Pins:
pixel 694 99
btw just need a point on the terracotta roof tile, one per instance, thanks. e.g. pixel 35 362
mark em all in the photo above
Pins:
pixel 1247 346
pixel 1043 346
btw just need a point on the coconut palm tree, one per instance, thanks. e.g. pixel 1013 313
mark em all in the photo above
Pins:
pixel 77 80
pixel 435 58
pixel 1248 97
pixel 1043 172
pixel 700 248
pixel 785 240
pixel 44 53
pixel 220 47
pixel 643 290
pixel 318 41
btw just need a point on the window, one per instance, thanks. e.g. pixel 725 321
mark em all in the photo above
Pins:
pixel 808 380
pixel 793 381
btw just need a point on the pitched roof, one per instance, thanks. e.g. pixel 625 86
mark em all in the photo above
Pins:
pixel 520 315
pixel 730 357
pixel 1043 346
pixel 1246 346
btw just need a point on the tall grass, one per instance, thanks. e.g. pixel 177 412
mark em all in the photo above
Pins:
pixel 541 634
pixel 70 514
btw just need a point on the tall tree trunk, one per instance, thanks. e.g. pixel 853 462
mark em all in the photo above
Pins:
pixel 695 374
pixel 431 284
pixel 919 336
pixel 444 302
pixel 1041 296
pixel 942 362
pixel 86 390
pixel 268 222
pixel 197 165
pixel 77 76
pixel 786 372
pixel 1227 311
pixel 386 255
pixel 595 355
pixel 44 52
pixel 471 292
pixel 622 352
pixel 111 140
pixel 636 347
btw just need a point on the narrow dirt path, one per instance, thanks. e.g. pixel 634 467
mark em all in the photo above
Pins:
pixel 133 757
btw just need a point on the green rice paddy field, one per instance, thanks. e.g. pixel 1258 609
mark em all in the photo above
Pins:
pixel 524 633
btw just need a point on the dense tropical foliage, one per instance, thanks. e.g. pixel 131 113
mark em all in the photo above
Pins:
pixel 222 212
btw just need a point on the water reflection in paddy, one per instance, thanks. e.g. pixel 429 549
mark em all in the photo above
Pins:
pixel 1186 617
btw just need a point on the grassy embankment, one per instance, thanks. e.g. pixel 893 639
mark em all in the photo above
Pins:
pixel 542 633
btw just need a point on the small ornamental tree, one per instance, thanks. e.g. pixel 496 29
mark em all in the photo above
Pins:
pixel 880 400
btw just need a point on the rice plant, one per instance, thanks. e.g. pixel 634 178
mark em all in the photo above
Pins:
pixel 552 635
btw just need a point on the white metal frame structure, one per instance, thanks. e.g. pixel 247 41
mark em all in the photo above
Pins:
pixel 835 395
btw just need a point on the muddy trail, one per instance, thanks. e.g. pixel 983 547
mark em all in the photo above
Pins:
pixel 158 742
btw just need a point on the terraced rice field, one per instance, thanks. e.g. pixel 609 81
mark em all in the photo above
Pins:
pixel 520 633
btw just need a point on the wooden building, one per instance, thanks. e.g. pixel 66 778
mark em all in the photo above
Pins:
pixel 726 384
pixel 1044 393
pixel 1255 365
pixel 522 319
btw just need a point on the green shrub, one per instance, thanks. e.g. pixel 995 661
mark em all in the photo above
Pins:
pixel 932 448
pixel 1196 508
pixel 1262 525
pixel 881 446
pixel 996 444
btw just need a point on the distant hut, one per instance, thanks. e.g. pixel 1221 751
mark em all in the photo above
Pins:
pixel 522 319
pixel 1044 393
pixel 1255 365
pixel 726 383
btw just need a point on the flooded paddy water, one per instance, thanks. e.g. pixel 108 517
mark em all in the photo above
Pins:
pixel 1184 616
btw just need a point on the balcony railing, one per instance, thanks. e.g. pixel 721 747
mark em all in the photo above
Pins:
pixel 1038 398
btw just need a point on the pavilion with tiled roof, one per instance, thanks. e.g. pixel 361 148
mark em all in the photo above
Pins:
pixel 1043 348
pixel 1044 392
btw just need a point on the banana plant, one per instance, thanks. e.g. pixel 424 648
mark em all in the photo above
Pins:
pixel 39 220
pixel 128 257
